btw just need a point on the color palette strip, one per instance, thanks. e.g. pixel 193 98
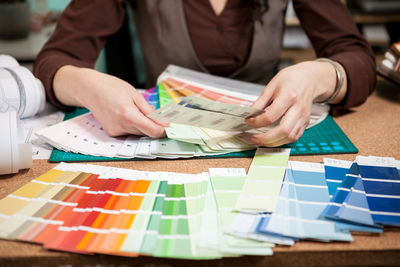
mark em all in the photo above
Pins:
pixel 381 181
pixel 152 97
pixel 184 89
pixel 335 174
pixel 227 185
pixel 164 97
pixel 303 197
pixel 370 193
pixel 245 225
pixel 264 179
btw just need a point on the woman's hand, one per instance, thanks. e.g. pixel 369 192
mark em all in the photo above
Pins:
pixel 289 97
pixel 119 107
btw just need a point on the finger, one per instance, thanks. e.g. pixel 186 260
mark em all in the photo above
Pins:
pixel 272 113
pixel 135 121
pixel 289 130
pixel 146 108
pixel 126 131
pixel 265 98
pixel 161 123
pixel 268 141
pixel 293 136
pixel 274 143
pixel 141 103
pixel 133 130
pixel 148 127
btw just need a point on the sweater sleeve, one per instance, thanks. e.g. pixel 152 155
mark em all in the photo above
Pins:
pixel 333 34
pixel 80 35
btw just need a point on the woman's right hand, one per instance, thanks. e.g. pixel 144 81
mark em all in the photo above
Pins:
pixel 118 106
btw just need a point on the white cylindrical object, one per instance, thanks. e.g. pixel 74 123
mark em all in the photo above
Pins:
pixel 32 97
pixel 19 89
pixel 25 156
pixel 13 156
pixel 8 61
pixel 9 92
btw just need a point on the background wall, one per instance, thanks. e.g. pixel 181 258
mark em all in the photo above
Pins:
pixel 44 6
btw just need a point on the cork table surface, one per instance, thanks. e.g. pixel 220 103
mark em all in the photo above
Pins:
pixel 374 128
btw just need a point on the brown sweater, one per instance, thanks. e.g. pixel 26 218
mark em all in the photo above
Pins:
pixel 221 43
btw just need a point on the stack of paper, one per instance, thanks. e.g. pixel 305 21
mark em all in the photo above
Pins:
pixel 176 83
pixel 84 135
pixel 200 112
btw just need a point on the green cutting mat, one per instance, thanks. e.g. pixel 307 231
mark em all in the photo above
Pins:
pixel 324 138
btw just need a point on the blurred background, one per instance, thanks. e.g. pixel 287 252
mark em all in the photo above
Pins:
pixel 25 25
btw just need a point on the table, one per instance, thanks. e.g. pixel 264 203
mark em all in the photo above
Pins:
pixel 373 127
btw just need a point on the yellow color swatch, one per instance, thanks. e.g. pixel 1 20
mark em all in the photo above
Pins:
pixel 30 190
pixel 49 176
pixel 10 205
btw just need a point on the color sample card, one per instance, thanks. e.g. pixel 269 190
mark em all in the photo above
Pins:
pixel 183 89
pixel 227 185
pixel 196 111
pixel 166 95
pixel 381 181
pixel 369 194
pixel 264 179
pixel 211 142
pixel 177 88
pixel 200 118
pixel 335 173
pixel 245 226
pixel 349 203
pixel 197 102
pixel 303 197
pixel 152 97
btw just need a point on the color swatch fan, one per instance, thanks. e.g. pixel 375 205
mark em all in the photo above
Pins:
pixel 210 97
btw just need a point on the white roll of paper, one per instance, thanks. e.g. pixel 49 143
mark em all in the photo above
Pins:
pixel 8 61
pixel 19 89
pixel 21 96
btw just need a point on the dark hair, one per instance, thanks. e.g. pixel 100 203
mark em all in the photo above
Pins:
pixel 257 8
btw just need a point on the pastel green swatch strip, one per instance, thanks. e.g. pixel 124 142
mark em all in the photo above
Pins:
pixel 263 182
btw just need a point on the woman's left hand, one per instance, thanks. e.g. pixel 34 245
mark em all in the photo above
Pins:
pixel 288 97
